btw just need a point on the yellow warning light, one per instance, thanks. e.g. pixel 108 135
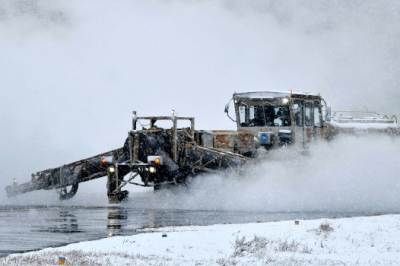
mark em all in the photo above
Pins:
pixel 102 160
pixel 157 160
pixel 290 90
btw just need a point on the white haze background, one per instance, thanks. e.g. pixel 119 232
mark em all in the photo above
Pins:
pixel 72 72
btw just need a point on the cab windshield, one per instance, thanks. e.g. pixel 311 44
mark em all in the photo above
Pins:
pixel 261 116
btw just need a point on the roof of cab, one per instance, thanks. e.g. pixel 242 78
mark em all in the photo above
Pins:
pixel 274 94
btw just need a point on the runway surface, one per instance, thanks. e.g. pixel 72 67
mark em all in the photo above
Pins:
pixel 25 228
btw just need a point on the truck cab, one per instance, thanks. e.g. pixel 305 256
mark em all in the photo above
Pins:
pixel 279 119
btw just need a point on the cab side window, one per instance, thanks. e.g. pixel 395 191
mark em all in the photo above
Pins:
pixel 298 113
pixel 317 115
pixel 308 114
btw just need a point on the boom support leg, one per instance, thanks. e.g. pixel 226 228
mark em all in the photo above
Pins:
pixel 114 192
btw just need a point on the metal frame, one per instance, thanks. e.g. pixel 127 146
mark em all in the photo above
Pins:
pixel 202 165
pixel 174 119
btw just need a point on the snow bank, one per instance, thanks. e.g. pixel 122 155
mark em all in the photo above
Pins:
pixel 348 241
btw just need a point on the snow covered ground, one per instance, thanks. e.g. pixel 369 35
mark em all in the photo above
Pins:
pixel 346 241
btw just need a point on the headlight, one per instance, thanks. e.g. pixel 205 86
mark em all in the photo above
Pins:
pixel 152 169
pixel 111 169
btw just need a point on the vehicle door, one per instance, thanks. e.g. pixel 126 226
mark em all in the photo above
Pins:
pixel 299 132
pixel 317 114
pixel 309 130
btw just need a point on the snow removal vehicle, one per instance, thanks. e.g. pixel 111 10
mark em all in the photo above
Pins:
pixel 295 120
pixel 266 121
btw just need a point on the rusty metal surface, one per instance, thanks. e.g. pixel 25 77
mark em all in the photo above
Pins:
pixel 229 139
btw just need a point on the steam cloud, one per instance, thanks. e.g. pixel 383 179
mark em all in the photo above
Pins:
pixel 348 175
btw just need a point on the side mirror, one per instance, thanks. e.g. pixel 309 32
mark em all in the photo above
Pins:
pixel 328 113
pixel 227 111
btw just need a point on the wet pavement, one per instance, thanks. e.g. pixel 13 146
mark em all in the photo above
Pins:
pixel 26 228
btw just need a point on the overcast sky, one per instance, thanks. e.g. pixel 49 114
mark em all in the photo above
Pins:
pixel 72 72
